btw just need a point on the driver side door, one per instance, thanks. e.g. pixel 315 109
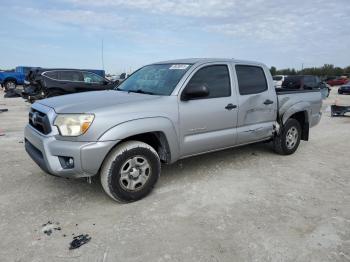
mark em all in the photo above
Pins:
pixel 208 123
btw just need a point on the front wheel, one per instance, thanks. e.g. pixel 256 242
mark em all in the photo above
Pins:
pixel 130 171
pixel 288 141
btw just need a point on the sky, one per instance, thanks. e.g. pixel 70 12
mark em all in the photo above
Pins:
pixel 69 33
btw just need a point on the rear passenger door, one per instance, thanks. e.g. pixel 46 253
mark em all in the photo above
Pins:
pixel 71 80
pixel 208 123
pixel 257 104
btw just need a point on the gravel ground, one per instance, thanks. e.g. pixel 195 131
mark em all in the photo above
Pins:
pixel 244 204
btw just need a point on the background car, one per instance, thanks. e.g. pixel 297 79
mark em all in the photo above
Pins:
pixel 45 83
pixel 10 79
pixel 345 89
pixel 338 81
pixel 278 80
pixel 307 82
pixel 301 82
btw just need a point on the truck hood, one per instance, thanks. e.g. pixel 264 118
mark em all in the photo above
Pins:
pixel 88 102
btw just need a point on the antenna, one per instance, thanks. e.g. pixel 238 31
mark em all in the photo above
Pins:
pixel 103 63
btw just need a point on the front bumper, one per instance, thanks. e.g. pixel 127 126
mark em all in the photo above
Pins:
pixel 45 151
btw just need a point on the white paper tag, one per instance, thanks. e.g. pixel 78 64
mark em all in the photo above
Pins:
pixel 179 67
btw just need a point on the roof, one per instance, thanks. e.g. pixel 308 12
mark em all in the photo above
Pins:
pixel 205 60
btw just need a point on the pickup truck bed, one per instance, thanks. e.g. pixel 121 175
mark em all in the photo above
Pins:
pixel 292 100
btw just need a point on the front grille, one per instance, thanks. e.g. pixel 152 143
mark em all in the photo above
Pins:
pixel 39 121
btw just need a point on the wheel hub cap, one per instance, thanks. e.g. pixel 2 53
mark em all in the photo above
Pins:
pixel 292 137
pixel 134 173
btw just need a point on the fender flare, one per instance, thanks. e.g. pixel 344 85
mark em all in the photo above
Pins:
pixel 297 108
pixel 302 107
pixel 140 126
pixel 10 79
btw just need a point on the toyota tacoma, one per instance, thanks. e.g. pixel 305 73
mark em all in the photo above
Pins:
pixel 164 112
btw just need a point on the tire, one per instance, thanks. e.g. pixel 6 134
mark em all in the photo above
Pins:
pixel 10 85
pixel 136 182
pixel 288 141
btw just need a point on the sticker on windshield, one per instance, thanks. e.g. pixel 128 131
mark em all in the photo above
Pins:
pixel 179 67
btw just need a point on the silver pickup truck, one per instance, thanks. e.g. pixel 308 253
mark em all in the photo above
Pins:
pixel 162 113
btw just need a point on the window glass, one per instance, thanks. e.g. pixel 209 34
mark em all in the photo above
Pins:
pixel 308 81
pixel 216 78
pixel 92 78
pixel 52 74
pixel 277 78
pixel 71 76
pixel 251 79
pixel 157 79
pixel 26 70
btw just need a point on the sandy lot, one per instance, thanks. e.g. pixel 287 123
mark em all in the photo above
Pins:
pixel 244 204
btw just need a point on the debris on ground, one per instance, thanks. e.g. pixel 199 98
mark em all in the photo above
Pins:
pixel 339 110
pixel 49 227
pixel 1 132
pixel 3 110
pixel 78 241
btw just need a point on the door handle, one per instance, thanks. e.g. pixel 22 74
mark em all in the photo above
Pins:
pixel 230 107
pixel 268 102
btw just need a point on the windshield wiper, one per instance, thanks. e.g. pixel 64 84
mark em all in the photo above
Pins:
pixel 140 91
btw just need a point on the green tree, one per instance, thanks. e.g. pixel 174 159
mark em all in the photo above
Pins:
pixel 273 70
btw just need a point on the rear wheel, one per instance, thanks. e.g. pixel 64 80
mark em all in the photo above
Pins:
pixel 130 171
pixel 10 85
pixel 288 141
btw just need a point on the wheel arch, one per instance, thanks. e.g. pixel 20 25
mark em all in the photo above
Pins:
pixel 157 132
pixel 7 79
pixel 10 79
pixel 303 118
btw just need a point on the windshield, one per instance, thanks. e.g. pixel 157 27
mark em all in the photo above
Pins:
pixel 155 79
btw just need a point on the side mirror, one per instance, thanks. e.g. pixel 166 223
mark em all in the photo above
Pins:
pixel 194 92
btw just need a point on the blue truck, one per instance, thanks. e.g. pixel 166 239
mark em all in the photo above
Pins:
pixel 10 79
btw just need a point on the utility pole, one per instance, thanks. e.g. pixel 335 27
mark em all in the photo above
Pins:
pixel 103 63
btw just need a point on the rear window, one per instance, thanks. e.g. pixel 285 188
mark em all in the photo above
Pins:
pixel 251 79
pixel 51 74
pixel 75 76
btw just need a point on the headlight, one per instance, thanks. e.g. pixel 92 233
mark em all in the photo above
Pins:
pixel 73 124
